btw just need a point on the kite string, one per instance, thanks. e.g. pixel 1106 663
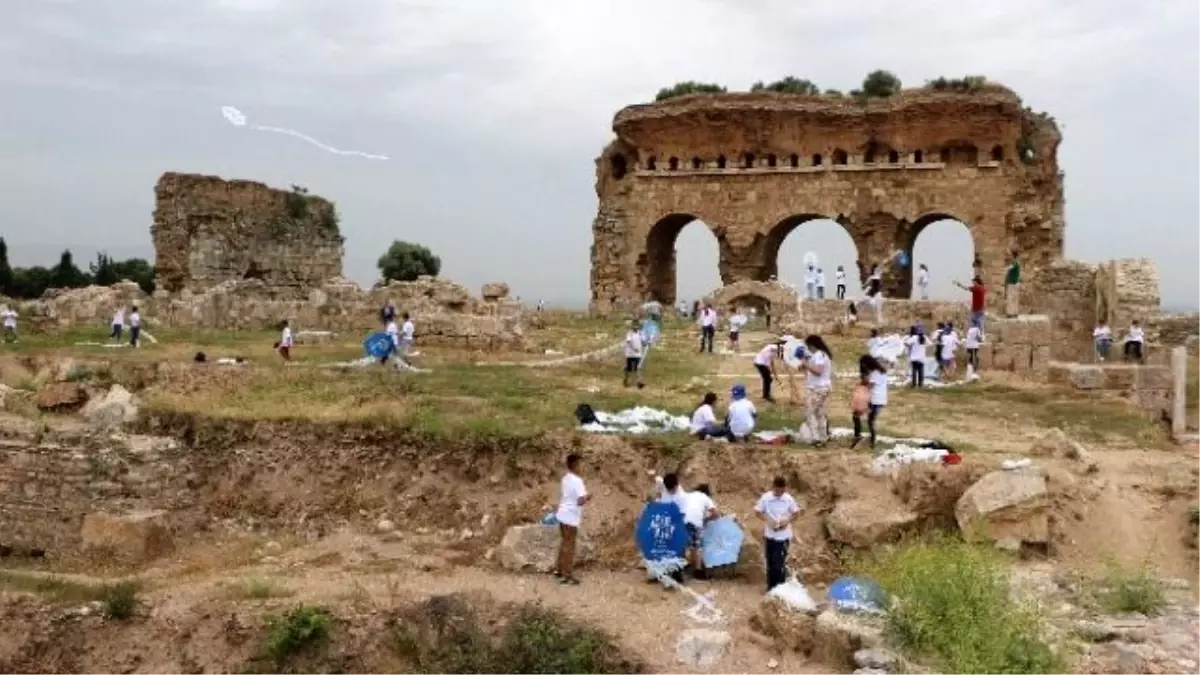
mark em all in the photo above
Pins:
pixel 319 144
pixel 704 611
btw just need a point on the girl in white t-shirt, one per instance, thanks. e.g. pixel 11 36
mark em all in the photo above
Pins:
pixel 874 378
pixel 949 347
pixel 704 419
pixel 840 279
pixel 1102 337
pixel 818 380
pixel 916 344
pixel 973 341
pixel 1134 342
pixel 923 281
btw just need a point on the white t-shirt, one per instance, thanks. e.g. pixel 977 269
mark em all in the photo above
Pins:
pixel 973 338
pixel 695 506
pixel 10 318
pixel 708 317
pixel 840 276
pixel 949 344
pixel 873 346
pixel 776 508
pixel 569 511
pixel 916 349
pixel 407 330
pixel 703 418
pixel 119 318
pixel 393 332
pixel 633 345
pixel 820 280
pixel 1102 333
pixel 825 378
pixel 810 276
pixel 923 278
pixel 741 417
pixel 285 340
pixel 678 497
pixel 879 386
pixel 135 319
pixel 737 321
pixel 764 355
pixel 1136 334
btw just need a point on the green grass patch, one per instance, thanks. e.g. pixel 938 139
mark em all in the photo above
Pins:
pixel 118 600
pixel 302 627
pixel 1123 590
pixel 950 604
pixel 258 588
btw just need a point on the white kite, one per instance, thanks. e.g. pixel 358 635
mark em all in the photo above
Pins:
pixel 237 119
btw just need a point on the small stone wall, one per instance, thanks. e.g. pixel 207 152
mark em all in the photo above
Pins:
pixel 898 315
pixel 780 297
pixel 1020 345
pixel 1148 388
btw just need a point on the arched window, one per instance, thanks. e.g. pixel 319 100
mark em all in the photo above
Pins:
pixel 893 157
pixel 772 161
pixel 918 157
pixel 794 160
pixel 839 156
pixel 697 163
pixel 618 166
pixel 817 159
pixel 998 153
pixel 748 160
pixel 945 155
pixel 720 161
pixel 673 164
pixel 651 163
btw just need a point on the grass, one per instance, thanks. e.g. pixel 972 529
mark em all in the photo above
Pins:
pixel 1123 591
pixel 258 588
pixel 950 604
pixel 302 627
pixel 118 600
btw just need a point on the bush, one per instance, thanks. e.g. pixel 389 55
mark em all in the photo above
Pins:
pixel 967 83
pixel 950 603
pixel 1123 591
pixel 689 87
pixel 789 85
pixel 405 262
pixel 880 84
pixel 120 600
pixel 297 202
pixel 301 627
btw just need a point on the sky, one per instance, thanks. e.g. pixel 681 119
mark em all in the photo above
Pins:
pixel 492 114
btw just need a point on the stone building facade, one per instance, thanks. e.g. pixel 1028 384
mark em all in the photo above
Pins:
pixel 208 231
pixel 752 167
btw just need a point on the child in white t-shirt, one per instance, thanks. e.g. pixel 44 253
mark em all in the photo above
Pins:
pixel 634 350
pixel 874 378
pixel 973 341
pixel 916 344
pixel 704 420
pixel 735 328
pixel 949 347
pixel 839 278
pixel 741 416
pixel 285 341
pixel 10 324
pixel 1134 342
pixel 1102 337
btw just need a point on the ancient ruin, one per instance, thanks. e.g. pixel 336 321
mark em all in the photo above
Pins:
pixel 208 230
pixel 754 166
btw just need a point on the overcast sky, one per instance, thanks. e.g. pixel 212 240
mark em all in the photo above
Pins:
pixel 493 112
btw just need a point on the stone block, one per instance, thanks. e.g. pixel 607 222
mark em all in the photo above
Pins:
pixel 134 537
pixel 1002 357
pixel 1086 376
pixel 1005 505
pixel 865 523
pixel 536 547
pixel 1040 365
pixel 1022 357
pixel 986 358
pixel 1059 373
pixel 1120 377
pixel 1153 377
pixel 839 635
pixel 702 648
pixel 61 397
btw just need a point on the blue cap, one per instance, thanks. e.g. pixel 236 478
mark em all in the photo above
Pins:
pixel 738 391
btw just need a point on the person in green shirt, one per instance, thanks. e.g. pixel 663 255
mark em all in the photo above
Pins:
pixel 1012 287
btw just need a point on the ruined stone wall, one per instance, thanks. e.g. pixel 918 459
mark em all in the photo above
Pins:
pixel 753 167
pixel 442 310
pixel 1148 388
pixel 817 316
pixel 780 298
pixel 1019 345
pixel 208 231
pixel 1067 291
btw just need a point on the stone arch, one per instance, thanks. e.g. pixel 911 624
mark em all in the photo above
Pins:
pixel 840 156
pixel 673 164
pixel 657 266
pixel 903 281
pixel 765 296
pixel 779 232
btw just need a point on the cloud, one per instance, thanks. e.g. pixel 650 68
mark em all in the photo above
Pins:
pixel 494 111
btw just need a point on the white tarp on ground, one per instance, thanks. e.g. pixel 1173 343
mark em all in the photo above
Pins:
pixel 794 595
pixel 768 435
pixel 901 454
pixel 639 420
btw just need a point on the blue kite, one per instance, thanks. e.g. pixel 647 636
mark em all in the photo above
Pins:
pixel 855 594
pixel 661 533
pixel 379 345
pixel 722 542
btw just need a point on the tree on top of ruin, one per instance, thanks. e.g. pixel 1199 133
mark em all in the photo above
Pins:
pixel 880 84
pixel 689 87
pixel 789 85
pixel 967 83
pixel 405 261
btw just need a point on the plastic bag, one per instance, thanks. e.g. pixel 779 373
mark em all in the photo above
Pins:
pixel 794 595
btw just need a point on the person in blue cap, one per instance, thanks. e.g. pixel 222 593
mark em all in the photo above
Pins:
pixel 741 417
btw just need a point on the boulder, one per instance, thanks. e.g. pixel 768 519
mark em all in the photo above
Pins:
pixel 701 648
pixel 840 635
pixel 494 290
pixel 134 537
pixel 790 630
pixel 862 523
pixel 1005 505
pixel 536 547
pixel 61 396
pixel 876 659
pixel 115 408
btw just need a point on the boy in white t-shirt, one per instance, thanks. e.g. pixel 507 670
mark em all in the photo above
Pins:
pixel 764 363
pixel 135 327
pixel 778 510
pixel 118 324
pixel 820 284
pixel 1134 342
pixel 407 335
pixel 973 341
pixel 810 282
pixel 10 324
pixel 949 346
pixel 735 328
pixel 285 341
pixel 634 350
pixel 573 496
pixel 839 278
pixel 741 416
pixel 1102 337
pixel 708 328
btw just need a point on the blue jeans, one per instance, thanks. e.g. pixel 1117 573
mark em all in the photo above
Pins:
pixel 977 316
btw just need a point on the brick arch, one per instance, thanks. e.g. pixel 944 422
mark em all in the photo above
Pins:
pixel 656 264
pixel 784 226
pixel 778 298
pixel 898 281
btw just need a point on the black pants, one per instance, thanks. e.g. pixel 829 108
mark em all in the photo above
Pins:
pixel 841 291
pixel 1133 350
pixel 973 358
pixel 706 338
pixel 116 331
pixel 918 373
pixel 872 413
pixel 135 333
pixel 765 373
pixel 776 552
pixel 631 370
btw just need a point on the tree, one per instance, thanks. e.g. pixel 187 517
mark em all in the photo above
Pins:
pixel 689 87
pixel 6 272
pixel 136 270
pixel 103 272
pixel 967 83
pixel 789 85
pixel 405 262
pixel 30 282
pixel 880 84
pixel 66 275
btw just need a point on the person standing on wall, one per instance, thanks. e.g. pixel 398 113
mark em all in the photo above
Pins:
pixel 778 510
pixel 923 281
pixel 978 300
pixel 573 497
pixel 708 327
pixel 1012 287
pixel 387 313
pixel 874 291
pixel 1135 343
pixel 840 278
pixel 810 282
pixel 820 284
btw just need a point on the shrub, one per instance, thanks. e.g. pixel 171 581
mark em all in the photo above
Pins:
pixel 967 83
pixel 259 588
pixel 689 87
pixel 880 84
pixel 119 599
pixel 404 261
pixel 789 85
pixel 301 627
pixel 297 203
pixel 1125 590
pixel 950 603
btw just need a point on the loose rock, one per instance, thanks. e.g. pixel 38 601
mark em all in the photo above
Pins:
pixel 701 648
pixel 863 524
pixel 1005 505
pixel 536 547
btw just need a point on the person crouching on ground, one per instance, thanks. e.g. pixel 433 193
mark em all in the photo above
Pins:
pixel 633 355
pixel 818 380
pixel 1135 342
pixel 778 510
pixel 704 420
pixel 741 416
pixel 699 510
pixel 874 380
pixel 764 363
pixel 573 496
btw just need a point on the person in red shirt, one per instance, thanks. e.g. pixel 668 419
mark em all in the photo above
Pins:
pixel 978 299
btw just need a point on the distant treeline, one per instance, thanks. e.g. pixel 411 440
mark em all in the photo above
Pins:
pixel 31 282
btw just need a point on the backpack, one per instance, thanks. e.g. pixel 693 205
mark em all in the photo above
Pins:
pixel 585 414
